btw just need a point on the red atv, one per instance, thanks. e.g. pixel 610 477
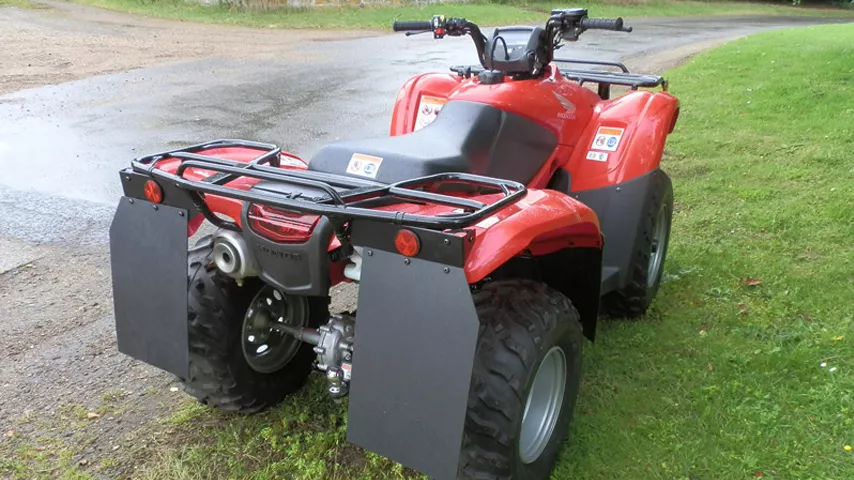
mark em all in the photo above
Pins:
pixel 508 208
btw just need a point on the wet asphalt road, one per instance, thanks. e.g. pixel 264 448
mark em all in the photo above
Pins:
pixel 61 146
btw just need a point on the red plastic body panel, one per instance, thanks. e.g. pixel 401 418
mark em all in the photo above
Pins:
pixel 544 221
pixel 572 112
pixel 647 118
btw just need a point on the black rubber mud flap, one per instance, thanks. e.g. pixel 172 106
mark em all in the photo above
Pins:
pixel 416 336
pixel 148 259
pixel 620 209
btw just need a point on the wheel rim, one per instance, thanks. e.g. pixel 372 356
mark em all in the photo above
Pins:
pixel 542 408
pixel 657 247
pixel 265 348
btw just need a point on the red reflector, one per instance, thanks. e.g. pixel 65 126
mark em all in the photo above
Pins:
pixel 153 192
pixel 281 226
pixel 407 243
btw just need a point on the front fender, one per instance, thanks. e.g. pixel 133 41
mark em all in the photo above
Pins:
pixel 543 222
pixel 640 123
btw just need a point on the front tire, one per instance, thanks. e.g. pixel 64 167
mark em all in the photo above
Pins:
pixel 647 264
pixel 525 381
pixel 221 376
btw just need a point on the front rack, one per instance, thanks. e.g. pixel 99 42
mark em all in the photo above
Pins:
pixel 344 198
pixel 605 79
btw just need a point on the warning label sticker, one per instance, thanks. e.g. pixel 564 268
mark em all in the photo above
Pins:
pixel 428 109
pixel 597 156
pixel 607 138
pixel 364 165
pixel 347 369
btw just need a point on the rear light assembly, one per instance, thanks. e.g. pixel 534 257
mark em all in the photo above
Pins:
pixel 281 226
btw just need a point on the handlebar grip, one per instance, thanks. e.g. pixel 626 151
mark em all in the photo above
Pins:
pixel 615 24
pixel 412 26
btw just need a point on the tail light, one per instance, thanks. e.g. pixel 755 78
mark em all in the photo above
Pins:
pixel 281 226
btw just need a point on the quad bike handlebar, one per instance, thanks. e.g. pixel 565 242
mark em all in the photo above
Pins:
pixel 412 26
pixel 615 24
pixel 562 25
pixel 440 26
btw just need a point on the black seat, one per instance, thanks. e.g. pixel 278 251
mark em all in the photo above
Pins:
pixel 465 137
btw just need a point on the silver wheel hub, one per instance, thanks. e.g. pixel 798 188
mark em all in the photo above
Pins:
pixel 543 405
pixel 658 243
pixel 265 348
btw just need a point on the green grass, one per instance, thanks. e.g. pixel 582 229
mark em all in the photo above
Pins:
pixel 723 379
pixel 481 13
pixel 44 454
pixel 21 4
pixel 302 439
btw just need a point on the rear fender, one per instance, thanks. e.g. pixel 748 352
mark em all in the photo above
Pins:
pixel 543 222
pixel 624 140
pixel 561 237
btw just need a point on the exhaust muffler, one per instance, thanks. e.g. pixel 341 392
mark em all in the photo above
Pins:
pixel 232 256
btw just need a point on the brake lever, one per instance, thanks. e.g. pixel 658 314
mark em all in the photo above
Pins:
pixel 409 34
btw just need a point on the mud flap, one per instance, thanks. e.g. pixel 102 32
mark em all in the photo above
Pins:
pixel 416 336
pixel 148 259
pixel 621 209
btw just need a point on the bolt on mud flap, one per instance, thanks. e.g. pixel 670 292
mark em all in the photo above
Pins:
pixel 148 259
pixel 415 341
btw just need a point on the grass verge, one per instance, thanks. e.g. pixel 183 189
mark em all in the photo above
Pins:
pixel 481 13
pixel 302 439
pixel 21 4
pixel 746 368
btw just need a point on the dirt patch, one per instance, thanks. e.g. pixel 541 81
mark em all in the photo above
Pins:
pixel 68 395
pixel 63 42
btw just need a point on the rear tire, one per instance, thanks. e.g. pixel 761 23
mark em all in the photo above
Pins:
pixel 527 330
pixel 650 252
pixel 220 375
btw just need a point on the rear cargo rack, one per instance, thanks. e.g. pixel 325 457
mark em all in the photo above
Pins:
pixel 344 198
